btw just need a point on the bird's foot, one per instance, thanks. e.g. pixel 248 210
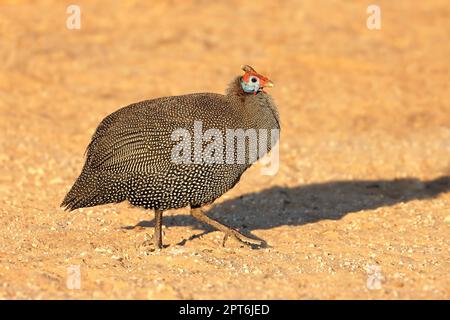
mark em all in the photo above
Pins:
pixel 152 242
pixel 241 238
pixel 198 214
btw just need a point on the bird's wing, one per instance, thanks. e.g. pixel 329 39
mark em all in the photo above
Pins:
pixel 137 138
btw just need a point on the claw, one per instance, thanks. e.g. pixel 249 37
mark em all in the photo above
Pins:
pixel 225 237
pixel 241 238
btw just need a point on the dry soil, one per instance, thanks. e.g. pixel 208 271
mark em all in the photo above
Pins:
pixel 360 207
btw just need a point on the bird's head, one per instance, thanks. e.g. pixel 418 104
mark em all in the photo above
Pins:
pixel 252 81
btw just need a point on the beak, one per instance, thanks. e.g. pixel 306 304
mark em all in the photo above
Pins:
pixel 268 84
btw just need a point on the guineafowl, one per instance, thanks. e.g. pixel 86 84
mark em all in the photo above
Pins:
pixel 142 152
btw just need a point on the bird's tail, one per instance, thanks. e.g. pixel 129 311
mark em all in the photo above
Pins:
pixel 92 189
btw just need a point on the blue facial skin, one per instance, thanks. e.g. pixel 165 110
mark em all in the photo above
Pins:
pixel 250 87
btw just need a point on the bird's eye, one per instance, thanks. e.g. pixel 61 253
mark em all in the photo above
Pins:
pixel 254 79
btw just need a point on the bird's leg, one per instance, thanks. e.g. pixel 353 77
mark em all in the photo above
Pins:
pixel 157 237
pixel 198 214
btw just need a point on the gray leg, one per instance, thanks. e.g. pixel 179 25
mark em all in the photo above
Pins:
pixel 157 237
pixel 198 214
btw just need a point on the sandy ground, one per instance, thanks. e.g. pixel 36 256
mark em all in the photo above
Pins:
pixel 360 207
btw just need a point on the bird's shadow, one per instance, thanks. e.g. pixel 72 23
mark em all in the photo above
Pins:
pixel 278 206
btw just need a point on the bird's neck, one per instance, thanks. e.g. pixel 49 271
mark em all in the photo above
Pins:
pixel 259 108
